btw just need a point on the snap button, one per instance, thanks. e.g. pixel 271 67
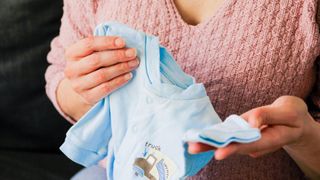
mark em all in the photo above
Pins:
pixel 149 100
pixel 118 161
pixel 135 128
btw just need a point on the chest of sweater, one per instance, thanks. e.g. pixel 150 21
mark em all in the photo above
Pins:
pixel 247 54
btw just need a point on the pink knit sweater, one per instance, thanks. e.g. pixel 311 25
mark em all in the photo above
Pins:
pixel 247 54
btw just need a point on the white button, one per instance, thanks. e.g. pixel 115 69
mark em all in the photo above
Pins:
pixel 118 161
pixel 149 100
pixel 135 128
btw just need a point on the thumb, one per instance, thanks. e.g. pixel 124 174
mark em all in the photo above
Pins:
pixel 270 115
pixel 255 117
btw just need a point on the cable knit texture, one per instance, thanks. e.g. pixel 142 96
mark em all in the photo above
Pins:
pixel 247 54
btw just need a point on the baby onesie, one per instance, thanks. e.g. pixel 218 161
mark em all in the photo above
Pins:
pixel 141 128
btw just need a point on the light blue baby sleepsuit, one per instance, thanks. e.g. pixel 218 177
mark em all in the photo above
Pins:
pixel 142 127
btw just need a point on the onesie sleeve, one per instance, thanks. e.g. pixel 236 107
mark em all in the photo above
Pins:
pixel 87 141
pixel 77 22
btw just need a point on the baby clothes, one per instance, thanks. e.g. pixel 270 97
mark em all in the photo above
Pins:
pixel 233 129
pixel 141 127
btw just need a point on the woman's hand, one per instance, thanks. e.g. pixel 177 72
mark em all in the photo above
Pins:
pixel 96 66
pixel 284 123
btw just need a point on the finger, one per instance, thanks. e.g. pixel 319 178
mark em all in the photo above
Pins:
pixel 88 45
pixel 105 74
pixel 103 59
pixel 194 148
pixel 270 115
pixel 255 117
pixel 104 89
pixel 222 153
pixel 238 148
pixel 272 138
pixel 262 153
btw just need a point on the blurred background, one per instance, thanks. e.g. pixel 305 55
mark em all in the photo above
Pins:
pixel 31 130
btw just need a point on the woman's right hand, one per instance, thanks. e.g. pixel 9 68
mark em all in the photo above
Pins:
pixel 96 66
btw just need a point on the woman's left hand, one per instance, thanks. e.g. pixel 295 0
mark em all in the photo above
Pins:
pixel 285 122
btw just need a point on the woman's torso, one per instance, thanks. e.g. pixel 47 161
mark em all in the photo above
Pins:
pixel 247 54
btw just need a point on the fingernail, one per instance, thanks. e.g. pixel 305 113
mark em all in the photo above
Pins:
pixel 119 42
pixel 133 63
pixel 128 76
pixel 130 53
pixel 217 156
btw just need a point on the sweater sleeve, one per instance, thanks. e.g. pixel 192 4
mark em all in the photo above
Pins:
pixel 77 22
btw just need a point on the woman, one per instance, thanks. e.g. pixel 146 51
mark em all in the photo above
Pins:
pixel 256 58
